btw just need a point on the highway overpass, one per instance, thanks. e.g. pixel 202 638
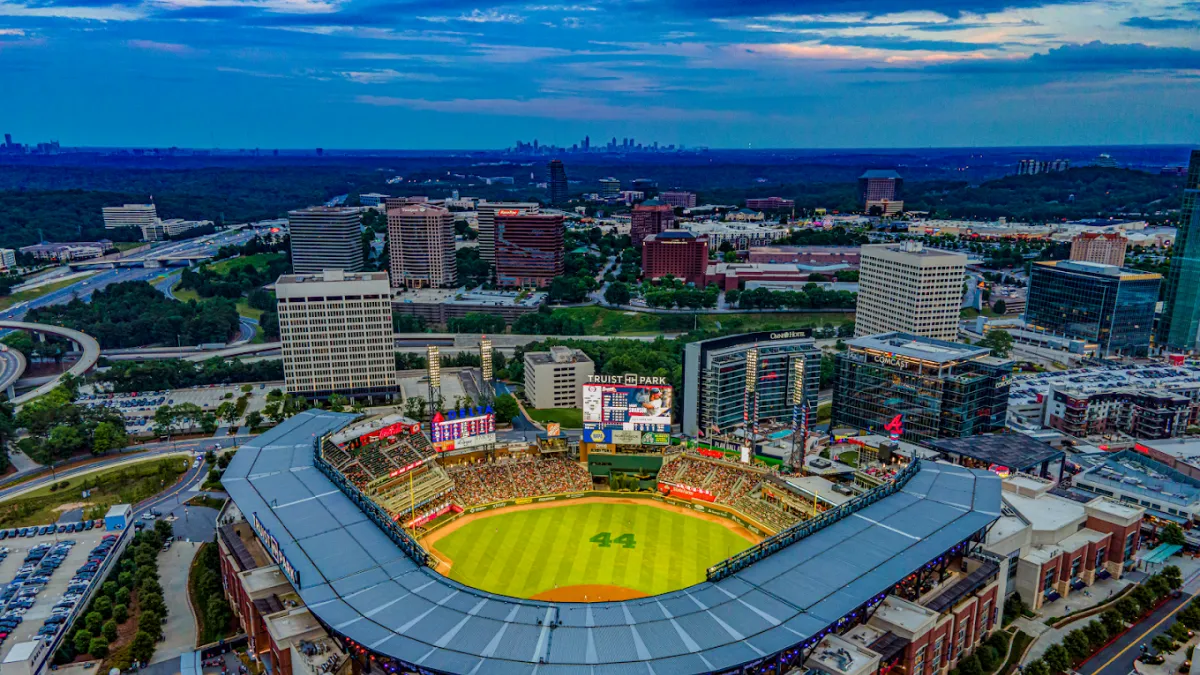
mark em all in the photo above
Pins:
pixel 85 343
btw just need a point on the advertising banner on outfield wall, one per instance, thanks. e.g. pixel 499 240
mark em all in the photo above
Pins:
pixel 686 492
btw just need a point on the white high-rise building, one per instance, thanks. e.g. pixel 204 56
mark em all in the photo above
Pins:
pixel 907 288
pixel 487 223
pixel 336 330
pixel 129 215
pixel 8 259
pixel 325 238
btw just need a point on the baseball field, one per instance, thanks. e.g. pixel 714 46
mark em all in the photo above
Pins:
pixel 587 550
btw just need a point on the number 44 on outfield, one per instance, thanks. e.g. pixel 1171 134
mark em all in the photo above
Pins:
pixel 605 540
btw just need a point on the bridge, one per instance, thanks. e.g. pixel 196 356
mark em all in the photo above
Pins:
pixel 13 363
pixel 149 260
pixel 85 343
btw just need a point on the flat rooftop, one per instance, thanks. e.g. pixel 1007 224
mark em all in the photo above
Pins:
pixel 1046 512
pixel 1097 269
pixel 1186 377
pixel 916 347
pixel 1015 451
pixel 357 580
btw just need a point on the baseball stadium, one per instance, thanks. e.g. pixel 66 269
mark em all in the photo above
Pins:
pixel 419 554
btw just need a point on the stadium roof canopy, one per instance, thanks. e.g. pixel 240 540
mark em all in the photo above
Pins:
pixel 361 585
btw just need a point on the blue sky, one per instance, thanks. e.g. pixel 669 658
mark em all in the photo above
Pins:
pixel 722 73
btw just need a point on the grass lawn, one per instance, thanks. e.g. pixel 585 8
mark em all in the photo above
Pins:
pixel 128 245
pixel 604 321
pixel 127 484
pixel 970 313
pixel 257 261
pixel 569 418
pixel 639 547
pixel 35 293
pixel 184 294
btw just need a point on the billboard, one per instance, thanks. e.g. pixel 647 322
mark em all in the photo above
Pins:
pixel 463 429
pixel 626 437
pixel 685 492
pixel 628 407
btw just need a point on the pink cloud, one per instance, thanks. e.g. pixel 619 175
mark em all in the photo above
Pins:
pixel 557 108
pixel 167 47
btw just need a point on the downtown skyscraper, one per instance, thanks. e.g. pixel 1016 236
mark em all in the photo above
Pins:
pixel 1179 326
pixel 557 182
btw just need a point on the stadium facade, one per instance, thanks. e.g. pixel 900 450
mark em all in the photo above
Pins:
pixel 897 574
pixel 716 371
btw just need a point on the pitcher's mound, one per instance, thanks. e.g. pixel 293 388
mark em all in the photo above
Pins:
pixel 589 593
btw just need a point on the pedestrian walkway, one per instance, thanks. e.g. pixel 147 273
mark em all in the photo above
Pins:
pixel 1045 635
pixel 180 630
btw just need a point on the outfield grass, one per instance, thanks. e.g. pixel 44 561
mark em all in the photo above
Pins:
pixel 569 418
pixel 640 547
pixel 126 484
pixel 35 293
pixel 604 321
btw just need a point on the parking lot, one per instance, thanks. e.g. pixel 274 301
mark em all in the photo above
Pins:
pixel 53 592
pixel 138 408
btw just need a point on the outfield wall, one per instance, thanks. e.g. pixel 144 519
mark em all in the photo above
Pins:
pixel 721 510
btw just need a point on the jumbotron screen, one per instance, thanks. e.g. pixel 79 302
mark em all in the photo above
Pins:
pixel 627 414
pixel 458 430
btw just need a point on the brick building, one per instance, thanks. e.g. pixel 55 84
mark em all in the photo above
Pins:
pixel 1106 248
pixel 679 199
pixel 680 254
pixel 529 248
pixel 650 219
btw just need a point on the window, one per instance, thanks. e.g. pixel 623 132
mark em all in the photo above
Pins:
pixel 1048 582
pixel 919 662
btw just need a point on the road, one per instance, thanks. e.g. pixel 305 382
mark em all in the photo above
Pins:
pixel 1118 657
pixel 137 452
pixel 12 366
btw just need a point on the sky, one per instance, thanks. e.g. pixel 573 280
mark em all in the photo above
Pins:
pixel 451 74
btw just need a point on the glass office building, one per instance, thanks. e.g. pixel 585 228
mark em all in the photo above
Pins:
pixel 1102 304
pixel 940 389
pixel 715 398
pixel 1179 327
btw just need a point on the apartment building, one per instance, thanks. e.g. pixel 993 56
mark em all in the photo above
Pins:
pixel 421 250
pixel 1106 248
pixel 554 379
pixel 325 237
pixel 162 230
pixel 336 333
pixel 649 219
pixel 908 288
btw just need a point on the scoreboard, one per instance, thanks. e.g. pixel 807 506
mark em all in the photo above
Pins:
pixel 627 414
pixel 461 429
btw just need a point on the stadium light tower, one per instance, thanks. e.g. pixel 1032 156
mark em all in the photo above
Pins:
pixel 799 415
pixel 434 365
pixel 485 365
pixel 750 401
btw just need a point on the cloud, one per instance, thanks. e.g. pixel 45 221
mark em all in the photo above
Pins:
pixel 385 75
pixel 902 43
pixel 1151 23
pixel 562 8
pixel 98 13
pixel 165 47
pixel 765 8
pixel 12 32
pixel 1104 57
pixel 557 108
pixel 270 6
pixel 478 16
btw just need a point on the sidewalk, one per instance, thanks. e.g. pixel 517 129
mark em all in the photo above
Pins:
pixel 1044 635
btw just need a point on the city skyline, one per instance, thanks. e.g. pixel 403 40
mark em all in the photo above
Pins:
pixel 333 73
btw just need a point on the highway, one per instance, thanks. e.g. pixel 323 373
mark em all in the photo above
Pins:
pixel 130 454
pixel 12 366
pixel 89 345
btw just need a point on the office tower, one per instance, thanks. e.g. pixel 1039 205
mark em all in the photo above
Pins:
pixel 770 203
pixel 610 188
pixel 1106 248
pixel 486 212
pixel 1030 167
pixel 8 258
pixel 678 253
pixel 1179 325
pixel 529 248
pixel 678 199
pixel 881 188
pixel 940 389
pixel 714 388
pixel 908 288
pixel 648 219
pixel 555 379
pixel 129 215
pixel 421 247
pixel 557 182
pixel 324 238
pixel 1102 304
pixel 336 333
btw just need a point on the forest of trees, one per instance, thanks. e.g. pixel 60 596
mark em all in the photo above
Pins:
pixel 127 376
pixel 135 314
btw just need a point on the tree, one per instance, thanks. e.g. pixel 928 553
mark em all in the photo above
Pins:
pixel 1057 658
pixel 337 402
pixel 1173 576
pixel 1000 307
pixel 1036 667
pixel 142 647
pixel 617 293
pixel 1172 534
pixel 83 641
pixel 1077 644
pixel 109 630
pixel 1164 643
pixel 1113 623
pixel 103 606
pixel 999 341
pixel 506 408
pixel 274 412
pixel 108 436
pixel 988 658
pixel 208 423
pixel 98 647
pixel 151 622
pixel 227 411
pixel 1129 609
pixel 970 666
pixel 254 419
pixel 153 602
pixel 216 616
pixel 120 613
pixel 93 621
